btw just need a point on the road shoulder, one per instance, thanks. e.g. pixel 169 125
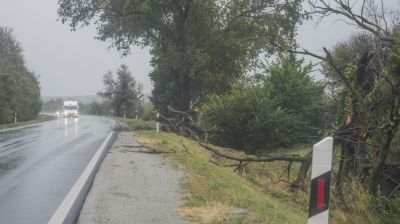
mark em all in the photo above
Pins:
pixel 134 185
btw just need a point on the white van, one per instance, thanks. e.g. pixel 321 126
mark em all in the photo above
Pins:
pixel 71 108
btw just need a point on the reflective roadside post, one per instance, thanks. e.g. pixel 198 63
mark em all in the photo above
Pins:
pixel 158 123
pixel 15 117
pixel 124 114
pixel 318 211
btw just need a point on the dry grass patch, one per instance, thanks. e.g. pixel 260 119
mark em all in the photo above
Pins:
pixel 206 214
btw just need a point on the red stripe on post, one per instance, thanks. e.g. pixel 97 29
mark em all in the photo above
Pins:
pixel 321 194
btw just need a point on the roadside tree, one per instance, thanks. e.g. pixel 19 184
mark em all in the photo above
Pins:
pixel 124 92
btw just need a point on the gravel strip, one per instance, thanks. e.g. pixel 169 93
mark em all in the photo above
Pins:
pixel 134 187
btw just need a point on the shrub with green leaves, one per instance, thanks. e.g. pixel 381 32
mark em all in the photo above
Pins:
pixel 285 108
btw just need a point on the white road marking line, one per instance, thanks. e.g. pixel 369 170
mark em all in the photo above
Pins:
pixel 62 211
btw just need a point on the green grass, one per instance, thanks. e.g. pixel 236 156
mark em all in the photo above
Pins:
pixel 37 120
pixel 262 188
pixel 214 187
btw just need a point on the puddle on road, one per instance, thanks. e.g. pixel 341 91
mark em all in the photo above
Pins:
pixel 7 164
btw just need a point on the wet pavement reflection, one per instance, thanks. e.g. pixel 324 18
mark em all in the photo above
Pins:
pixel 40 163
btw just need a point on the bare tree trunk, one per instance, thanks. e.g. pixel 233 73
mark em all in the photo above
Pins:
pixel 300 182
pixel 378 169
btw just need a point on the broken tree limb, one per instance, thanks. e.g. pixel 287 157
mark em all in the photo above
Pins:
pixel 288 169
pixel 180 127
pixel 301 176
pixel 153 150
pixel 185 115
pixel 185 148
pixel 305 161
pixel 288 158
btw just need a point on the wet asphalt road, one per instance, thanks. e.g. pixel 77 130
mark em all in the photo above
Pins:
pixel 39 165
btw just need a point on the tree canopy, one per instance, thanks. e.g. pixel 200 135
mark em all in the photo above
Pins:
pixel 198 46
pixel 124 92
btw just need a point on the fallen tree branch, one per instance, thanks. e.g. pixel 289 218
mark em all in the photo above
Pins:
pixel 133 146
pixel 301 176
pixel 289 158
pixel 145 152
pixel 288 169
pixel 185 115
pixel 305 161
pixel 155 151
pixel 186 149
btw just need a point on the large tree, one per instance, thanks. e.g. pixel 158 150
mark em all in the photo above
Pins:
pixel 198 46
pixel 124 92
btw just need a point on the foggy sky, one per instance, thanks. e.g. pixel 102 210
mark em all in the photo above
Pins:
pixel 73 63
pixel 68 63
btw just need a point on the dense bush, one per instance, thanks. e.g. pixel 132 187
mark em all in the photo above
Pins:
pixel 148 111
pixel 283 108
pixel 388 208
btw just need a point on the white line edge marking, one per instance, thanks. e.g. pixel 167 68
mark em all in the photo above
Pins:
pixel 62 211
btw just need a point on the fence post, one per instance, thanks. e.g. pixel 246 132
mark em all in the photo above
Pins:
pixel 318 212
pixel 158 122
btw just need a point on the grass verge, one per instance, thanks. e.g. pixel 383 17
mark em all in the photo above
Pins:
pixel 262 189
pixel 217 194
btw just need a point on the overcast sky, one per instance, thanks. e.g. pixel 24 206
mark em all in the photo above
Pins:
pixel 68 63
pixel 73 63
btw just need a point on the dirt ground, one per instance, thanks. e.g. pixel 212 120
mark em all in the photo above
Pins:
pixel 133 186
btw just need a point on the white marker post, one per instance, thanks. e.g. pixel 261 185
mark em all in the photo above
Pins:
pixel 158 123
pixel 15 118
pixel 318 212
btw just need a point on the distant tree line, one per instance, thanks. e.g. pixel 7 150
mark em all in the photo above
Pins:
pixel 53 105
pixel 19 87
pixel 96 108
